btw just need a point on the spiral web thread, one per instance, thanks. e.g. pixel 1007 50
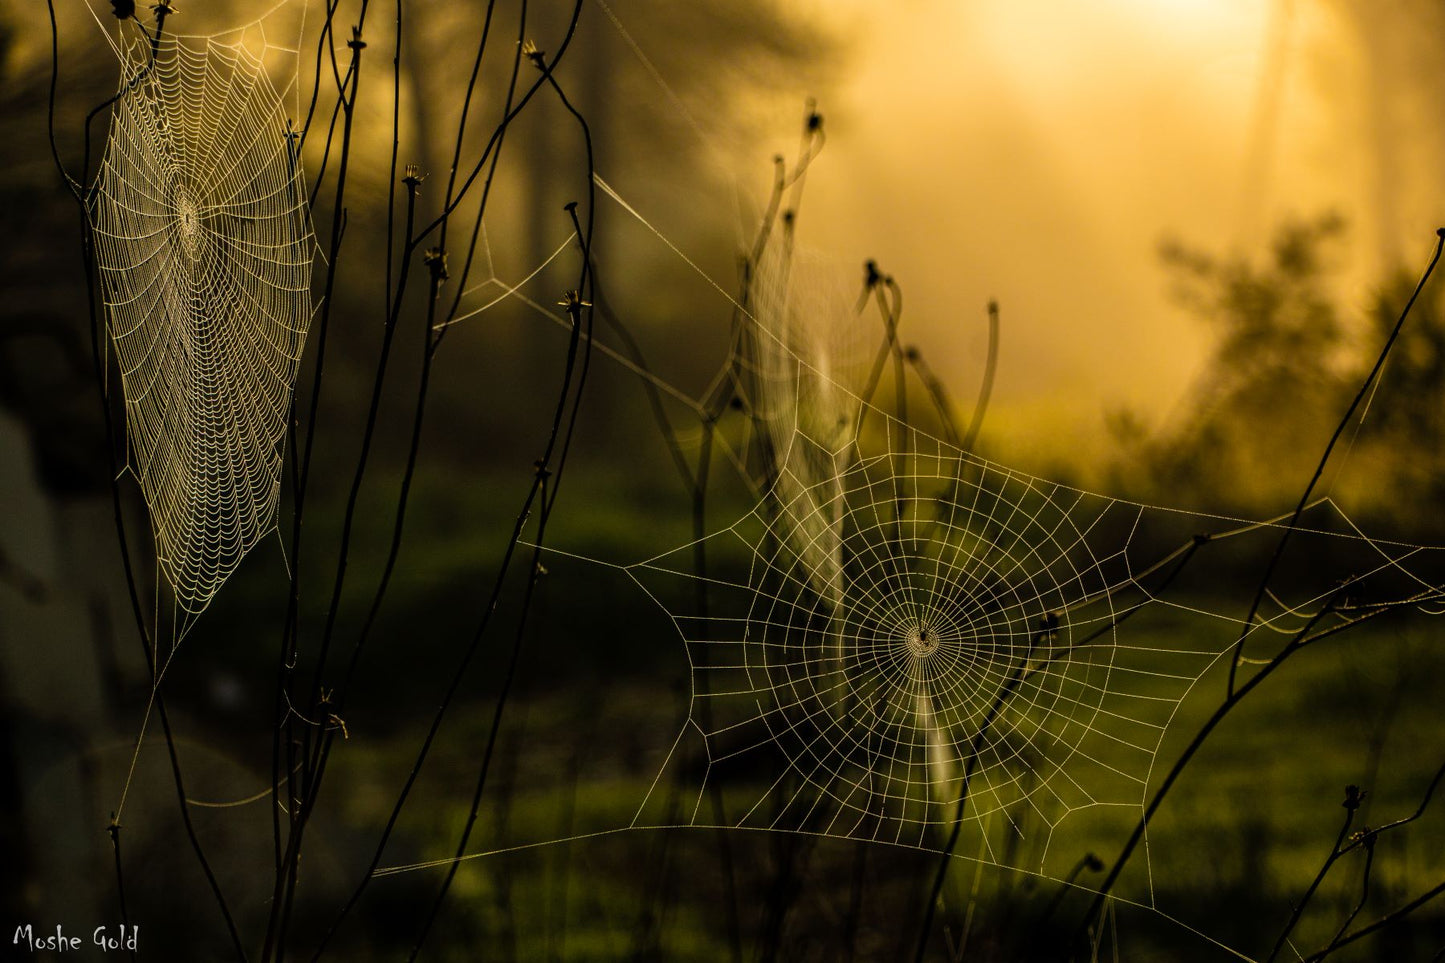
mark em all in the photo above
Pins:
pixel 203 243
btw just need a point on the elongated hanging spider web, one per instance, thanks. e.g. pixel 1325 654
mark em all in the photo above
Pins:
pixel 203 242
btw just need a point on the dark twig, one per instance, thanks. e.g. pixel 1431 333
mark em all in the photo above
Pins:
pixel 985 389
pixel 855 901
pixel 436 260
pixel 1305 636
pixel 113 830
pixel 322 46
pixel 575 304
pixel 1088 861
pixel 283 739
pixel 373 413
pixel 461 135
pixel 584 286
pixel 70 183
pixel 1235 693
pixel 539 493
pixel 1359 398
pixel 1353 798
pixel 1366 838
pixel 1389 919
pixel 937 393
pixel 185 805
pixel 313 761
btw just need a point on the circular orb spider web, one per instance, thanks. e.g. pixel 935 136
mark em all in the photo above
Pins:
pixel 942 639
pixel 930 639
pixel 203 244
pixel 951 649
pixel 901 638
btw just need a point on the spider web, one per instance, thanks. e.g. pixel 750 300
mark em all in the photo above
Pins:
pixel 955 651
pixel 203 244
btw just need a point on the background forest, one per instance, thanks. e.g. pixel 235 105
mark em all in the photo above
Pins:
pixel 1115 269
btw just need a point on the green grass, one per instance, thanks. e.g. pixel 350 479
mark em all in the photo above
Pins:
pixel 1241 835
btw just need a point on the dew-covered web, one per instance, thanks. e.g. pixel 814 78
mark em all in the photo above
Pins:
pixel 907 631
pixel 203 244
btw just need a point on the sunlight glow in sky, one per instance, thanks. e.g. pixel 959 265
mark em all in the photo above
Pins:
pixel 1037 151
